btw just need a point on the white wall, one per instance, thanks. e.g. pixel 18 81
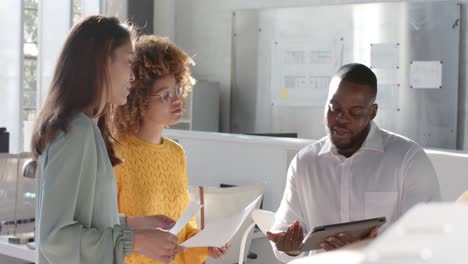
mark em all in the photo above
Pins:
pixel 164 18
pixel 203 28
pixel 117 8
pixel 214 158
pixel 10 70
pixel 54 25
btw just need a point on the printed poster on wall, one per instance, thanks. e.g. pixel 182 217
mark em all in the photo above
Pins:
pixel 302 70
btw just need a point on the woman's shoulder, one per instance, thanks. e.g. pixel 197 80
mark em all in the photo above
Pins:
pixel 122 142
pixel 78 136
pixel 80 130
pixel 81 122
pixel 176 150
pixel 173 145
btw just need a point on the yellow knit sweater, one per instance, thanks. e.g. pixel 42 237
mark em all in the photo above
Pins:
pixel 151 181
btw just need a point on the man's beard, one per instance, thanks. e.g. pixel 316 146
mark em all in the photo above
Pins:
pixel 354 140
pixel 343 146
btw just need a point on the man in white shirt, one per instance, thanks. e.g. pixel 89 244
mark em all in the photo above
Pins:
pixel 358 171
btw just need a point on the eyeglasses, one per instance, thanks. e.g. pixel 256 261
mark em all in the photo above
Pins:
pixel 169 93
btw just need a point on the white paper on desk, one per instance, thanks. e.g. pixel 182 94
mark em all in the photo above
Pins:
pixel 189 212
pixel 221 231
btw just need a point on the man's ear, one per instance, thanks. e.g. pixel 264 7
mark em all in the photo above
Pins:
pixel 373 111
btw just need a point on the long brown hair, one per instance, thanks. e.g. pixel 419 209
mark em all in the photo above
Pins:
pixel 80 79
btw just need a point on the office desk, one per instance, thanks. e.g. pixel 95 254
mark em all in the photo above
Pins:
pixel 16 251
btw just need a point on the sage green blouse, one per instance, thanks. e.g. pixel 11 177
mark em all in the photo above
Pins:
pixel 77 219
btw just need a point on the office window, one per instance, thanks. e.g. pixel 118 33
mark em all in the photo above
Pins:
pixel 76 11
pixel 30 52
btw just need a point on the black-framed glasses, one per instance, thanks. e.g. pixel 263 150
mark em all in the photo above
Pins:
pixel 167 94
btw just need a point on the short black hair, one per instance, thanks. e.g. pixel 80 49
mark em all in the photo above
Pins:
pixel 360 74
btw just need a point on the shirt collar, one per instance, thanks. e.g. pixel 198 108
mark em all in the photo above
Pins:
pixel 373 141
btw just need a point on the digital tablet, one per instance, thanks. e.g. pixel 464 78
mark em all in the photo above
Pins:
pixel 359 229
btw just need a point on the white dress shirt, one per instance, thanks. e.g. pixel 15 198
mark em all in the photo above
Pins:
pixel 385 177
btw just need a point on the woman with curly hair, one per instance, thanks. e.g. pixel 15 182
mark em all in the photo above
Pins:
pixel 153 179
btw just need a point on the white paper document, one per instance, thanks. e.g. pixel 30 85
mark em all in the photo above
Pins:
pixel 426 74
pixel 385 55
pixel 220 231
pixel 191 210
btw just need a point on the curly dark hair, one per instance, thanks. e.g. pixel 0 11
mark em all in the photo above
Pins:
pixel 155 57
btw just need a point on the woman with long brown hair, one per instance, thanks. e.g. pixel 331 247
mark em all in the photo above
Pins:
pixel 76 212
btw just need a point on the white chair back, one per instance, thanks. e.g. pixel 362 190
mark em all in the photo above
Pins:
pixel 263 219
pixel 223 202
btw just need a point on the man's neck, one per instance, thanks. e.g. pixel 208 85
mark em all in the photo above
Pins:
pixel 353 149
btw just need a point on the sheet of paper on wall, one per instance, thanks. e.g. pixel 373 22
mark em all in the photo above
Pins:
pixel 302 69
pixel 388 96
pixel 426 74
pixel 385 56
pixel 220 231
pixel 189 212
